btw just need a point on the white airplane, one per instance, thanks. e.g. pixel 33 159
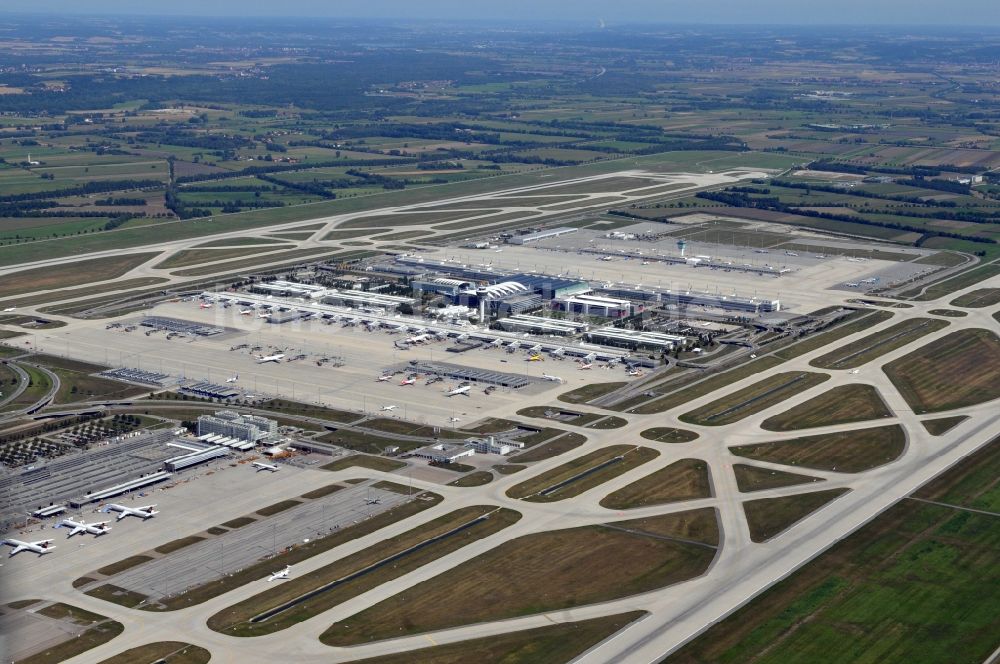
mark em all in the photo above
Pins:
pixel 607 258
pixel 454 419
pixel 856 371
pixel 408 381
pixel 97 529
pixel 461 389
pixel 417 339
pixel 233 379
pixel 586 366
pixel 383 378
pixel 389 408
pixel 554 379
pixel 9 309
pixel 264 314
pixel 40 547
pixel 260 465
pixel 270 358
pixel 282 574
pixel 124 511
pixel 246 312
pixel 634 372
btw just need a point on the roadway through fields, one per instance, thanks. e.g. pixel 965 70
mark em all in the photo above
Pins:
pixel 209 560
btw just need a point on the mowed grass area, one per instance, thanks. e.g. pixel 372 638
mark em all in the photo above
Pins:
pixel 589 392
pixel 958 370
pixel 189 257
pixel 574 477
pixel 977 299
pixel 769 517
pixel 375 565
pixel 913 585
pixel 643 406
pixel 942 425
pixel 162 652
pixel 865 350
pixel 559 445
pixel 78 386
pixel 668 435
pixel 532 574
pixel 957 283
pixel 841 405
pixel 71 274
pixel 857 321
pixel 687 479
pixel 295 555
pixel 754 398
pixel 752 478
pixel 973 482
pixel 552 643
pixel 842 451
pixel 365 461
pixel 99 630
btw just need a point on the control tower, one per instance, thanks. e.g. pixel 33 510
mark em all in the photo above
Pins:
pixel 682 246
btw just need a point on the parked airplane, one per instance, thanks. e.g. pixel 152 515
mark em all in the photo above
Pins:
pixel 78 527
pixel 408 381
pixel 282 574
pixel 389 408
pixel 454 419
pixel 536 358
pixel 205 305
pixel 634 372
pixel 124 511
pixel 588 365
pixel 260 465
pixel 554 379
pixel 246 312
pixel 40 547
pixel 233 379
pixel 383 378
pixel 270 358
pixel 461 389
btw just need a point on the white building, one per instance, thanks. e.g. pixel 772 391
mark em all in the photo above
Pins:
pixel 491 445
pixel 231 424
pixel 443 452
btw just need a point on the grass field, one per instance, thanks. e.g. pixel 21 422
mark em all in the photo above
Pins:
pixel 908 586
pixel 955 371
pixel 619 458
pixel 769 517
pixel 178 544
pixel 865 350
pixel 553 643
pixel 841 405
pixel 71 274
pixel 842 451
pixel 377 564
pixel 754 398
pixel 752 478
pixel 950 313
pixel 984 297
pixel 99 631
pixel 703 387
pixel 560 445
pixel 278 507
pixel 78 386
pixel 857 321
pixel 942 425
pixel 963 280
pixel 122 565
pixel 190 257
pixel 365 461
pixel 530 574
pixel 39 385
pixel 478 478
pixel 162 652
pixel 668 435
pixel 686 479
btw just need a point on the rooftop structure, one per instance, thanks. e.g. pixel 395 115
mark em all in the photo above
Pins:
pixel 596 305
pixel 490 445
pixel 289 289
pixel 443 452
pixel 529 238
pixel 228 423
pixel 636 339
pixel 540 325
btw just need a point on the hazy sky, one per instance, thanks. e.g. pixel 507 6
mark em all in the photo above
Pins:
pixel 905 12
